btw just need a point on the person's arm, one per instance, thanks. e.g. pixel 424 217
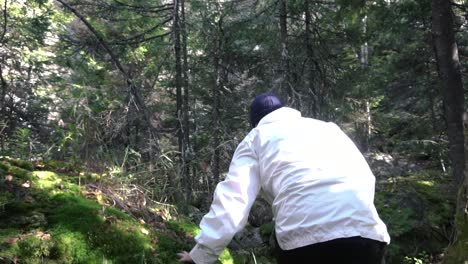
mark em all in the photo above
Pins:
pixel 229 211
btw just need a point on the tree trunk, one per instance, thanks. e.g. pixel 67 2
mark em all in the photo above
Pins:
pixel 448 66
pixel 3 112
pixel 179 107
pixel 3 83
pixel 186 107
pixel 285 83
pixel 216 98
pixel 310 59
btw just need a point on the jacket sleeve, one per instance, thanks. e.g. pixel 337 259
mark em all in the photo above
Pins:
pixel 231 205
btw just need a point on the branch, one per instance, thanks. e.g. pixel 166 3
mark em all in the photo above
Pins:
pixel 99 37
pixel 143 39
pixel 153 9
pixel 141 35
pixel 133 90
pixel 460 6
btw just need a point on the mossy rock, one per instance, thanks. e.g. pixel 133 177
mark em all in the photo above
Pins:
pixel 26 165
pixel 20 207
pixel 19 173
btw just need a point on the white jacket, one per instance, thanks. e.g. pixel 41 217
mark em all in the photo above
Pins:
pixel 317 181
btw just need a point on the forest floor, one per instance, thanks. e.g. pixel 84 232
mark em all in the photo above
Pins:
pixel 51 212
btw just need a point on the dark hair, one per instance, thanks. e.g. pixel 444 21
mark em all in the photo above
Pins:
pixel 262 105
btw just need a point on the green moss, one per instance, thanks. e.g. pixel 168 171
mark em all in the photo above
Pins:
pixel 167 247
pixel 109 211
pixel 267 229
pixel 415 209
pixel 22 164
pixel 225 257
pixel 105 229
pixel 5 197
pixel 45 175
pixel 184 227
pixel 20 173
pixel 20 207
pixel 60 166
pixel 72 247
pixel 33 249
pixel 4 166
pixel 8 233
pixel 457 252
pixel 81 230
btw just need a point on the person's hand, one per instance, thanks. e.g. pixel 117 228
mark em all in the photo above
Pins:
pixel 184 257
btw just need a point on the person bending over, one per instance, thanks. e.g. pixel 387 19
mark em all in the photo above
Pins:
pixel 318 183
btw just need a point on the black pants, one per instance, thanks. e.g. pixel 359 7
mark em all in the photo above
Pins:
pixel 352 250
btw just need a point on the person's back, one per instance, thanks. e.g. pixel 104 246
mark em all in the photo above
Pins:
pixel 317 181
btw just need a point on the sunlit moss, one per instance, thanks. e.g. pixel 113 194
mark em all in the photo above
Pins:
pixel 225 257
pixel 427 183
pixel 185 227
pixel 45 175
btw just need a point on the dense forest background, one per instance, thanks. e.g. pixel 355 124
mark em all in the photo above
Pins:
pixel 155 94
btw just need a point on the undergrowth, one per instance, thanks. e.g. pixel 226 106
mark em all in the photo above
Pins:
pixel 418 210
pixel 46 218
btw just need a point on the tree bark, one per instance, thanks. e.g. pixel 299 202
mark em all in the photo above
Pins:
pixel 285 70
pixel 186 106
pixel 448 66
pixel 179 106
pixel 310 59
pixel 3 113
pixel 215 168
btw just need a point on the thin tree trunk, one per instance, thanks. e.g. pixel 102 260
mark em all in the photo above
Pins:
pixel 186 107
pixel 3 113
pixel 180 111
pixel 285 71
pixel 216 98
pixel 3 110
pixel 310 59
pixel 365 66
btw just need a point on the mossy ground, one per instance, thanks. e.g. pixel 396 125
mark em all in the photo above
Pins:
pixel 45 218
pixel 418 210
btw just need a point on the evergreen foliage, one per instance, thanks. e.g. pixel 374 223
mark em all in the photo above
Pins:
pixel 155 95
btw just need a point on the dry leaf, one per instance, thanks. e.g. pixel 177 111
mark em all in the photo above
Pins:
pixel 8 178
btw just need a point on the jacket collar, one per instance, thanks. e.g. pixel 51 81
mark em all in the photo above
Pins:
pixel 283 113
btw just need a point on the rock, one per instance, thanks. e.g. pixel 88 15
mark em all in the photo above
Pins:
pixel 247 238
pixel 383 165
pixel 34 220
pixel 260 213
pixel 195 214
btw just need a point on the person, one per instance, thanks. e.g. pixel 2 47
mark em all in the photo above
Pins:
pixel 320 187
